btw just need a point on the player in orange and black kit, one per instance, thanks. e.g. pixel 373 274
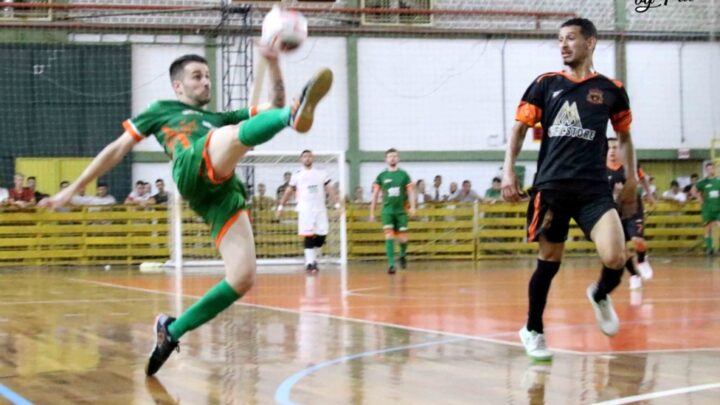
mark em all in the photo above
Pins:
pixel 574 107
pixel 633 224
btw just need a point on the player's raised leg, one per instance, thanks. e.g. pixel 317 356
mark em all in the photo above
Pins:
pixel 610 243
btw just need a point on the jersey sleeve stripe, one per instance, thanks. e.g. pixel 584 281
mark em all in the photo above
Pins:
pixel 621 121
pixel 528 114
pixel 130 128
pixel 253 111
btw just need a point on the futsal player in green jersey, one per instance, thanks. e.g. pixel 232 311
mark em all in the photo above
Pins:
pixel 398 194
pixel 205 148
pixel 707 191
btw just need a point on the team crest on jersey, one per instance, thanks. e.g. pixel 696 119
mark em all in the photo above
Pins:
pixel 595 96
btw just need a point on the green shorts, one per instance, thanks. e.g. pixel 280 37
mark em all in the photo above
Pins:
pixel 710 214
pixel 394 221
pixel 216 200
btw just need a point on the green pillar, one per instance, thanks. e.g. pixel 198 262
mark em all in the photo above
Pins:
pixel 353 149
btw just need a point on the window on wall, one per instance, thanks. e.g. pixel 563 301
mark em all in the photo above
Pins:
pixel 396 18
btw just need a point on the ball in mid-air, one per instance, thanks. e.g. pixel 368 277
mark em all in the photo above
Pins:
pixel 284 30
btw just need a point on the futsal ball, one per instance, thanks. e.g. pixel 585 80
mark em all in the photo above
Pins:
pixel 284 30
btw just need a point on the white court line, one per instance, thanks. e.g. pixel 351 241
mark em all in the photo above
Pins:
pixel 410 328
pixel 660 394
pixel 84 301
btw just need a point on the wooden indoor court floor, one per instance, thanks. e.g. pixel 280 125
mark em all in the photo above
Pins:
pixel 437 333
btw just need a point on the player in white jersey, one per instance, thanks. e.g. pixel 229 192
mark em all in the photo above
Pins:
pixel 312 187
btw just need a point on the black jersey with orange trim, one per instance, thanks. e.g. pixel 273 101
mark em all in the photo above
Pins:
pixel 574 116
pixel 616 174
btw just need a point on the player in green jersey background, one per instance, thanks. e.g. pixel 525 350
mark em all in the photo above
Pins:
pixel 707 192
pixel 398 194
pixel 205 148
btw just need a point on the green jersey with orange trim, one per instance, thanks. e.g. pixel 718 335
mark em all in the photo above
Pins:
pixel 394 186
pixel 709 187
pixel 178 125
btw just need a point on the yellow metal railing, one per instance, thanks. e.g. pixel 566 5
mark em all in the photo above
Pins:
pixel 130 234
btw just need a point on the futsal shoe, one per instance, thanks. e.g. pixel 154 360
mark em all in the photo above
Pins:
pixel 403 262
pixel 635 282
pixel 309 267
pixel 315 268
pixel 604 312
pixel 534 345
pixel 391 270
pixel 645 270
pixel 164 344
pixel 301 116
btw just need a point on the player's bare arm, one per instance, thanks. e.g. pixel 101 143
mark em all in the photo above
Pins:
pixel 510 189
pixel 626 146
pixel 373 202
pixel 335 199
pixel 285 197
pixel 108 158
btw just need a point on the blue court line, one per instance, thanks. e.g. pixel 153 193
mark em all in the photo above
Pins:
pixel 12 396
pixel 282 394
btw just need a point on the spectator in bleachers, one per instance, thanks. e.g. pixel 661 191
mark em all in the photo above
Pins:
pixel 466 193
pixel 436 193
pixel 421 197
pixel 260 200
pixel 494 193
pixel 674 193
pixel 4 195
pixel 80 198
pixel 693 181
pixel 161 197
pixel 102 196
pixel 359 195
pixel 20 195
pixel 139 195
pixel 281 188
pixel 32 184
pixel 651 193
pixel 453 192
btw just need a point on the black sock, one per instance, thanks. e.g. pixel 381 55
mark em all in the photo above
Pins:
pixel 630 266
pixel 609 279
pixel 538 291
pixel 641 256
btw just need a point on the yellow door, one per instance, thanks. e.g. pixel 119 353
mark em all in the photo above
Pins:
pixel 49 172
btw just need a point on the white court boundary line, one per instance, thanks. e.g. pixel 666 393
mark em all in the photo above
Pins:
pixel 660 394
pixel 410 328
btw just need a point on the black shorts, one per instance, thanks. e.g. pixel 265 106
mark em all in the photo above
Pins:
pixel 633 227
pixel 550 211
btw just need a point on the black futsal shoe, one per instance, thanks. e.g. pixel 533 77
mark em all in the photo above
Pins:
pixel 164 344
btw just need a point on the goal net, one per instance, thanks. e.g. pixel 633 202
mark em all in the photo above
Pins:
pixel 265 176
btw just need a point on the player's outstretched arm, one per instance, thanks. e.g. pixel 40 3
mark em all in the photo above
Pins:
pixel 334 197
pixel 510 189
pixel 108 158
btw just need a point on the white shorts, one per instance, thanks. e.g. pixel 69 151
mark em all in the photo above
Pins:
pixel 312 223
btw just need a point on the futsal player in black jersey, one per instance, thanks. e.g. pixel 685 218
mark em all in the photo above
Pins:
pixel 633 225
pixel 573 107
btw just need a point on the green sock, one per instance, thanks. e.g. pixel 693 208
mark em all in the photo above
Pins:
pixel 206 308
pixel 390 251
pixel 264 126
pixel 708 243
pixel 403 249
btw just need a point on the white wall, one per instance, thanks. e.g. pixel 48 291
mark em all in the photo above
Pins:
pixel 656 78
pixel 479 173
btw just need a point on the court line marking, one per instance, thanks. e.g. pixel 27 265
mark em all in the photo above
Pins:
pixel 83 301
pixel 282 393
pixel 410 328
pixel 660 394
pixel 13 396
